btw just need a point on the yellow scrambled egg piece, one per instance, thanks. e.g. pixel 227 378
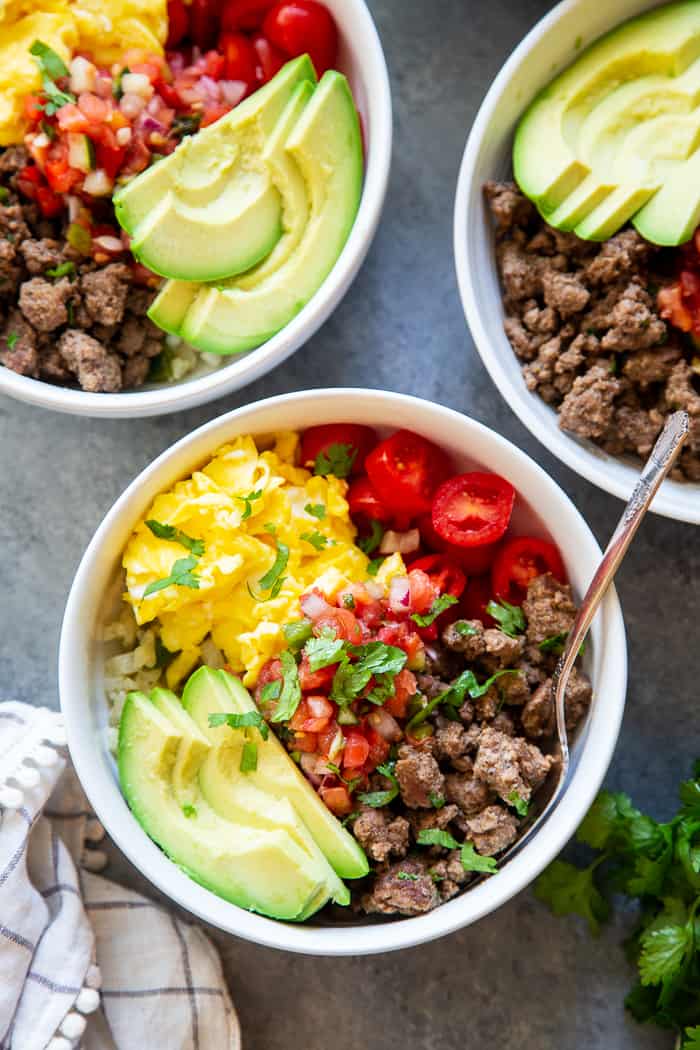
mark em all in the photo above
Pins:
pixel 104 29
pixel 244 620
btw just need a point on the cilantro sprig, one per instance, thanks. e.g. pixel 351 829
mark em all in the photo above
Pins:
pixel 510 618
pixel 442 602
pixel 369 544
pixel 181 575
pixel 471 860
pixel 656 864
pixel 52 68
pixel 273 579
pixel 451 700
pixel 248 502
pixel 240 721
pixel 377 799
pixel 290 694
pixel 169 532
pixel 336 459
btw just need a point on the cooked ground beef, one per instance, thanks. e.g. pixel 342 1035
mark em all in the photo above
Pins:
pixel 583 320
pixel 472 773
pixel 86 327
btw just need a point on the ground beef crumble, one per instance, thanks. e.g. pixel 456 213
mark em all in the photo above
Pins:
pixel 474 772
pixel 582 319
pixel 84 328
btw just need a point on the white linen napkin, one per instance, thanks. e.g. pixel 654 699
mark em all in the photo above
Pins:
pixel 85 963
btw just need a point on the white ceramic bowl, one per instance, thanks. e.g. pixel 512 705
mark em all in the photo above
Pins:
pixel 547 49
pixel 362 60
pixel 91 603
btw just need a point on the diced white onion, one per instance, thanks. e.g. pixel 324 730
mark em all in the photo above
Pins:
pixel 137 84
pixel 313 605
pixel 131 105
pixel 399 594
pixel 82 75
pixel 403 542
pixel 232 91
pixel 123 136
pixel 374 589
pixel 74 207
pixel 309 763
pixel 113 245
pixel 385 724
pixel 41 141
pixel 98 183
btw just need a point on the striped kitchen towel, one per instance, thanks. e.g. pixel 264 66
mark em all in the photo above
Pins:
pixel 85 963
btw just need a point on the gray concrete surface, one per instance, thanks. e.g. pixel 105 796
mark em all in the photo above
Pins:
pixel 518 978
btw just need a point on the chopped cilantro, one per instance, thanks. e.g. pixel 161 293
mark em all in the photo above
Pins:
pixel 555 644
pixel 290 697
pixel 369 544
pixel 335 459
pixel 181 575
pixel 297 633
pixel 408 876
pixel 273 579
pixel 518 803
pixel 69 311
pixel 455 696
pixel 348 601
pixel 569 890
pixel 49 130
pixel 248 501
pixel 324 650
pixel 442 602
pixel 317 540
pixel 371 660
pixel 271 691
pixel 245 720
pixel 464 628
pixel 189 810
pixel 377 799
pixel 350 816
pixel 691 1039
pixel 169 532
pixel 51 67
pixel 185 124
pixel 11 340
pixel 509 617
pixel 316 510
pixel 249 757
pixel 437 837
pixel 473 861
pixel 374 566
pixel 436 801
pixel 4 194
pixel 117 89
pixel 61 271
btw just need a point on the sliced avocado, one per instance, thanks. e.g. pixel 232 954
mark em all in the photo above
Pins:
pixel 193 748
pixel 169 307
pixel 326 146
pixel 569 141
pixel 263 871
pixel 673 214
pixel 214 195
pixel 210 691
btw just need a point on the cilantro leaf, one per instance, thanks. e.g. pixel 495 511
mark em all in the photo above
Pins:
pixel 249 757
pixel 444 601
pixel 271 691
pixel 240 721
pixel 641 1001
pixel 473 861
pixel 519 804
pixel 553 644
pixel 61 271
pixel 371 660
pixel 11 340
pixel 377 799
pixel 324 650
pixel 290 697
pixel 317 540
pixel 273 579
pixel 335 459
pixel 368 544
pixel 437 837
pixel 181 575
pixel 600 821
pixel 465 628
pixel 689 793
pixel 455 696
pixel 50 64
pixel 436 801
pixel 663 952
pixel 316 510
pixel 509 617
pixel 408 876
pixel 569 890
pixel 248 501
pixel 169 532
pixel 189 810
pixel 4 194
pixel 691 1039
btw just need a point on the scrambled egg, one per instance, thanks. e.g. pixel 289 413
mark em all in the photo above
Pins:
pixel 103 29
pixel 244 620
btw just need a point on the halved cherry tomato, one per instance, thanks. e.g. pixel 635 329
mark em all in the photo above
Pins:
pixel 473 560
pixel 204 22
pixel 472 604
pixel 518 563
pixel 357 439
pixel 471 509
pixel 405 470
pixel 303 25
pixel 244 14
pixel 240 59
pixel 364 502
pixel 343 622
pixel 178 23
pixel 315 680
pixel 444 573
pixel 270 60
pixel 356 749
pixel 337 799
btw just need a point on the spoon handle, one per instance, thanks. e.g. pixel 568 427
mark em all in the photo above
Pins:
pixel 662 458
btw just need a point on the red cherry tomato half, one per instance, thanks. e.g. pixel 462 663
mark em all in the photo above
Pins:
pixel 316 440
pixel 270 60
pixel 178 23
pixel 364 502
pixel 472 604
pixel 518 563
pixel 303 26
pixel 473 508
pixel 443 572
pixel 240 59
pixel 405 470
pixel 473 560
pixel 244 14
pixel 204 22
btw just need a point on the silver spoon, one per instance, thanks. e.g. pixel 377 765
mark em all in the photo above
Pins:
pixel 662 458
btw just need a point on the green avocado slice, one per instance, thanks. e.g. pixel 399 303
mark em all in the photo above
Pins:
pixel 210 209
pixel 257 869
pixel 326 147
pixel 210 691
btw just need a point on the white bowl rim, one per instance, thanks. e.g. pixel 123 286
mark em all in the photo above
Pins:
pixel 596 752
pixel 677 500
pixel 245 369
